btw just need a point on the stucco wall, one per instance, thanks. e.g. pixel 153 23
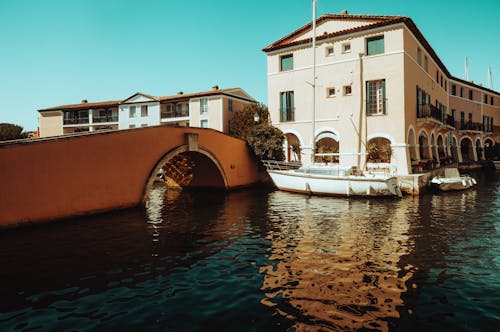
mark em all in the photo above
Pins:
pixel 53 178
pixel 50 123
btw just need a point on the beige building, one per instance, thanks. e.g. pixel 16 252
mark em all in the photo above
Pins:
pixel 207 109
pixel 383 97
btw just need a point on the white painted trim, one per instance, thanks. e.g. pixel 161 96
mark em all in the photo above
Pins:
pixel 221 128
pixel 383 135
pixel 309 121
pixel 294 132
pixel 324 130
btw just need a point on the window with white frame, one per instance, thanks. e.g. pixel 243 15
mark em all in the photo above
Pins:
pixel 132 112
pixel 204 123
pixel 346 47
pixel 286 62
pixel 375 97
pixel 144 110
pixel 347 90
pixel 203 106
pixel 329 50
pixel 330 92
pixel 375 45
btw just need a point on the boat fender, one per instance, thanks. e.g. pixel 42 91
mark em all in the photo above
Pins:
pixel 474 181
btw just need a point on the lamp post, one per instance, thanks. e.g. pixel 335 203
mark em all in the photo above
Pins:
pixel 256 117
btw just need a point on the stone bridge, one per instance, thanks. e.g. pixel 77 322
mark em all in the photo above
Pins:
pixel 65 176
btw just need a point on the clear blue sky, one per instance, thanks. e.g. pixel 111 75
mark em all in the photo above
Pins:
pixel 55 52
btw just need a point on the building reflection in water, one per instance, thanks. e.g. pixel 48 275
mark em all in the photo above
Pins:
pixel 337 261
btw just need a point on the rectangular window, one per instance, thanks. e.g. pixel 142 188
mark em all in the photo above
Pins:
pixel 461 92
pixel 204 123
pixel 286 62
pixel 454 89
pixel 470 95
pixel 287 109
pixel 462 120
pixel 203 106
pixel 329 51
pixel 375 97
pixel 426 64
pixel 437 76
pixel 454 114
pixel 230 105
pixel 132 126
pixel 346 47
pixel 330 92
pixel 144 125
pixel 347 90
pixel 144 110
pixel 419 56
pixel 491 100
pixel 131 112
pixel 485 99
pixel 375 45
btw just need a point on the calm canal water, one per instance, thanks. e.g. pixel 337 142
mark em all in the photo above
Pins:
pixel 258 260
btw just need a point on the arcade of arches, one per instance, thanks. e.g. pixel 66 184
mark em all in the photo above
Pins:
pixel 426 149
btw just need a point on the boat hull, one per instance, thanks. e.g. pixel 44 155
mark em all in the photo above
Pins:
pixel 335 185
pixel 462 183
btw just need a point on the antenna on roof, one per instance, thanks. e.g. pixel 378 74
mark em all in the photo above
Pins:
pixel 490 79
pixel 466 69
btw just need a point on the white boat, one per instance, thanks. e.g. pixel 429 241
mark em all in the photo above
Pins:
pixel 330 180
pixel 452 180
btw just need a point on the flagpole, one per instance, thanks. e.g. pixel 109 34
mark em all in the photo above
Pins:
pixel 313 145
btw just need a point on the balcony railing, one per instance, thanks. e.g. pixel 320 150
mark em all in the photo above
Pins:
pixel 429 111
pixel 106 118
pixel 72 121
pixel 450 120
pixel 174 114
pixel 476 126
pixel 496 129
pixel 287 114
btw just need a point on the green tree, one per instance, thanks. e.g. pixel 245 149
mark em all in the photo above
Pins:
pixel 9 131
pixel 265 140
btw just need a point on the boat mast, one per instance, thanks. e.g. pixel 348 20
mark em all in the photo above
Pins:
pixel 313 144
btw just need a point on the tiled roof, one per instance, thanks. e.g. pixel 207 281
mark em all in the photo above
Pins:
pixel 380 21
pixel 103 104
pixel 115 103
pixel 280 43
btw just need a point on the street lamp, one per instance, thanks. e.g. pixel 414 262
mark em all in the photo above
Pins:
pixel 256 117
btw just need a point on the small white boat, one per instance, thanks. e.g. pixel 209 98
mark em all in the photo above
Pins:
pixel 330 180
pixel 452 180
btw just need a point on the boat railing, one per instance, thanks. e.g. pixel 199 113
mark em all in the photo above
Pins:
pixel 281 165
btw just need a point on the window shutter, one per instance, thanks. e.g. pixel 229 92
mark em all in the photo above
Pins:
pixel 383 97
pixel 368 93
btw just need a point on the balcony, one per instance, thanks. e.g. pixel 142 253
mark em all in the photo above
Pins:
pixel 450 121
pixel 429 111
pixel 472 126
pixel 287 114
pixel 174 114
pixel 105 118
pixel 75 121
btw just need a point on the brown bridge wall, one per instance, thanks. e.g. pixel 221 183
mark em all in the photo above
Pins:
pixel 59 177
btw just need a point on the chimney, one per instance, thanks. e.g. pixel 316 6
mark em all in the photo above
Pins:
pixel 84 101
pixel 215 87
pixel 180 93
pixel 344 12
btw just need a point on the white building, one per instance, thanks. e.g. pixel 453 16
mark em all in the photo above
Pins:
pixel 207 109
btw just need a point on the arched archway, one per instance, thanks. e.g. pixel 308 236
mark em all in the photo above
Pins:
pixel 292 147
pixel 327 143
pixel 489 149
pixel 412 146
pixel 454 149
pixel 441 147
pixel 467 149
pixel 189 169
pixel 479 149
pixel 379 150
pixel 424 147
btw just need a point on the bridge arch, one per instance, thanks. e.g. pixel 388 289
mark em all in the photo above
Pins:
pixel 214 174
